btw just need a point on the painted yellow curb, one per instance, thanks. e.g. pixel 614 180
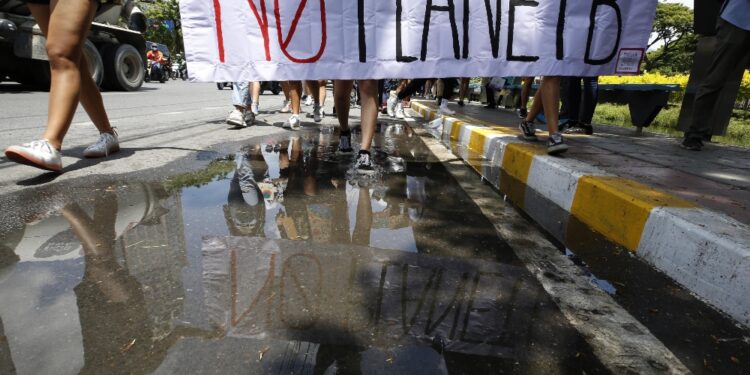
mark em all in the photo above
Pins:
pixel 618 208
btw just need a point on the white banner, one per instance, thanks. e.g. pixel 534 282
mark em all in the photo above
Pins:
pixel 249 40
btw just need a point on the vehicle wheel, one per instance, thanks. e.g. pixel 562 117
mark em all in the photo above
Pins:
pixel 95 63
pixel 124 67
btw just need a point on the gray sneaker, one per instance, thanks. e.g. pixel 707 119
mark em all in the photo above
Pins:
pixel 528 130
pixel 108 143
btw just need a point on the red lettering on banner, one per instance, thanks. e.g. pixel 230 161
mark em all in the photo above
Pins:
pixel 263 24
pixel 219 36
pixel 284 43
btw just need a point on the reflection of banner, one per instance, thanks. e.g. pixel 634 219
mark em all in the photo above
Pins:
pixel 238 40
pixel 334 294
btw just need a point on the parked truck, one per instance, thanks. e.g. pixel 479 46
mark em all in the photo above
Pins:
pixel 115 49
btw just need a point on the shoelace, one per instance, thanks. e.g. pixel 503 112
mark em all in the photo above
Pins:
pixel 41 144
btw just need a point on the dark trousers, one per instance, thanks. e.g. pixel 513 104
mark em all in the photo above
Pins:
pixel 732 52
pixel 582 104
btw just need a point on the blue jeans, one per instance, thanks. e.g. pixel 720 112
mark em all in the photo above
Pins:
pixel 581 107
pixel 241 94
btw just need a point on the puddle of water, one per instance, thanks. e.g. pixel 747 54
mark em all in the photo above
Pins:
pixel 277 259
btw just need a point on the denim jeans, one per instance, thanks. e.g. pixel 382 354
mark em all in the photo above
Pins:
pixel 581 107
pixel 241 94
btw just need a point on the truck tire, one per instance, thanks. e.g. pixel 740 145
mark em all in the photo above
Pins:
pixel 123 67
pixel 94 59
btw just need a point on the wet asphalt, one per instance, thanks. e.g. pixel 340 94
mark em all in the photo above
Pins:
pixel 269 254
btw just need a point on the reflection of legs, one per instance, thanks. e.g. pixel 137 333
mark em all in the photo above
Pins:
pixel 361 235
pixel 97 237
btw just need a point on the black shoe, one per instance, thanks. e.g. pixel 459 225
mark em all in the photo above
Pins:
pixel 692 144
pixel 345 143
pixel 489 106
pixel 556 144
pixel 460 103
pixel 522 112
pixel 528 130
pixel 363 165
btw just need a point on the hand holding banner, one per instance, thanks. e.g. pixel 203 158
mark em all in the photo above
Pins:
pixel 261 40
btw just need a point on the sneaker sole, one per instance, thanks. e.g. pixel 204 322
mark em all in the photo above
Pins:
pixel 557 150
pixel 97 156
pixel 22 159
pixel 236 123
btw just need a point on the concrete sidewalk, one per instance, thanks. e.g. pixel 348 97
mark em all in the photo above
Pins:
pixel 683 212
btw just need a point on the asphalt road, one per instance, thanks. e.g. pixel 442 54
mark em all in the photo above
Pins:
pixel 126 262
pixel 158 124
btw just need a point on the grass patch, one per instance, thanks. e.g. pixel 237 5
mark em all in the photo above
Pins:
pixel 738 133
pixel 216 169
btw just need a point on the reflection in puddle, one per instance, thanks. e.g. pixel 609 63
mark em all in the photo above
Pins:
pixel 277 260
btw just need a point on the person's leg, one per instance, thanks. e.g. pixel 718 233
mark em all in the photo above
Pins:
pixel 732 51
pixel 573 99
pixel 525 92
pixel 240 116
pixel 342 102
pixel 428 88
pixel 368 89
pixel 67 28
pixel 463 90
pixel 294 88
pixel 411 88
pixel 551 102
pixel 323 93
pixel 255 97
pixel 313 87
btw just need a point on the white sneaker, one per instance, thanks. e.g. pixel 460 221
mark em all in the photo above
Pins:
pixel 293 123
pixel 38 154
pixel 444 110
pixel 254 109
pixel 400 114
pixel 309 100
pixel 316 114
pixel 236 118
pixel 108 143
pixel 287 107
pixel 392 104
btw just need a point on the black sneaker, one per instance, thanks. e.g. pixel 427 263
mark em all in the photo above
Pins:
pixel 556 144
pixel 363 165
pixel 460 103
pixel 528 130
pixel 345 143
pixel 692 144
pixel 522 113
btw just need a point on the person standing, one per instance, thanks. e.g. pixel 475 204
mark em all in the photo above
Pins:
pixel 581 104
pixel 732 52
pixel 65 24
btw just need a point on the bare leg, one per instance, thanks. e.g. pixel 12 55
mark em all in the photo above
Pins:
pixel 525 90
pixel 255 92
pixel 342 100
pixel 322 92
pixel 463 90
pixel 71 81
pixel 294 89
pixel 548 99
pixel 368 91
pixel 313 88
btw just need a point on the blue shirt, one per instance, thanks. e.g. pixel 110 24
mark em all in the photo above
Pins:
pixel 737 12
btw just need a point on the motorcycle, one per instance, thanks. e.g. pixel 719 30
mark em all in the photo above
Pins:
pixel 175 71
pixel 183 70
pixel 155 72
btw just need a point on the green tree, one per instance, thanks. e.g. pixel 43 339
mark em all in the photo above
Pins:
pixel 673 37
pixel 158 13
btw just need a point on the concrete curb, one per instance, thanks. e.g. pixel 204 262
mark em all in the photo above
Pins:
pixel 705 251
